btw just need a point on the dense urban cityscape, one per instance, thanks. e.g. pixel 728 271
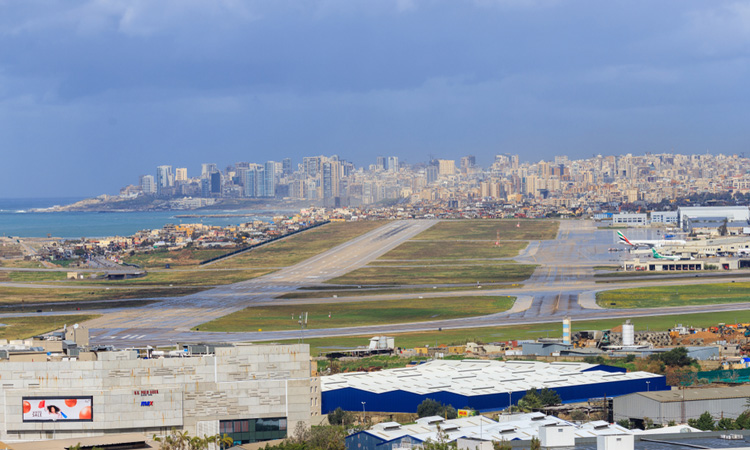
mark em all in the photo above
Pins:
pixel 568 187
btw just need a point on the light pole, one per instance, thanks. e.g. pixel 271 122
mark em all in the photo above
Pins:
pixel 364 415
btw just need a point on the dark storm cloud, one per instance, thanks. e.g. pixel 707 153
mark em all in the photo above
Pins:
pixel 94 93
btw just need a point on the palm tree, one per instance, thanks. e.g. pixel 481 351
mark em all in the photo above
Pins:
pixel 224 441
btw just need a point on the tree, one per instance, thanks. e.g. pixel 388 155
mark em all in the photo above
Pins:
pixel 723 228
pixel 535 444
pixel 625 423
pixel 743 420
pixel 705 422
pixel 501 445
pixel 726 424
pixel 678 356
pixel 440 443
pixel 340 417
pixel 534 399
pixel 430 407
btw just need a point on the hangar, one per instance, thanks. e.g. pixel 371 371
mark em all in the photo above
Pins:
pixel 483 385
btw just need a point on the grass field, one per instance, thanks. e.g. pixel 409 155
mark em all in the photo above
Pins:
pixel 484 229
pixel 12 295
pixel 24 327
pixel 439 262
pixel 21 264
pixel 494 334
pixel 356 314
pixel 183 257
pixel 23 277
pixel 394 291
pixel 299 247
pixel 451 250
pixel 184 278
pixel 661 296
pixel 72 306
pixel 498 273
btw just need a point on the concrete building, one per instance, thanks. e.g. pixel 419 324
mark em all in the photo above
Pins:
pixel 484 385
pixel 667 217
pixel 681 405
pixel 660 265
pixel 630 219
pixel 250 392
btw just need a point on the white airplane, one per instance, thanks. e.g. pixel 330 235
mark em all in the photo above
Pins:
pixel 651 243
pixel 667 257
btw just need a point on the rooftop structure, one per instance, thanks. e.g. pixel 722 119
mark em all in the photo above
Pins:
pixel 681 405
pixel 510 428
pixel 480 384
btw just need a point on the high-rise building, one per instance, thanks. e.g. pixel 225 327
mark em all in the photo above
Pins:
pixel 248 182
pixel 331 178
pixel 380 163
pixel 260 182
pixel 311 166
pixel 215 178
pixel 207 169
pixel 205 187
pixel 468 162
pixel 180 174
pixel 148 186
pixel 431 174
pixel 270 179
pixel 393 163
pixel 164 179
pixel 446 166
pixel 286 167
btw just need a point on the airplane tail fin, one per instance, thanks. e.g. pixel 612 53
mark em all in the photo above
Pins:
pixel 624 239
pixel 656 254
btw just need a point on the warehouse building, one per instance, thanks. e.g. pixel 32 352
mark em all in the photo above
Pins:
pixel 483 385
pixel 250 392
pixel 515 427
pixel 681 405
pixel 730 213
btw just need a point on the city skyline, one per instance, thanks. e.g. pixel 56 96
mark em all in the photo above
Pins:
pixel 91 91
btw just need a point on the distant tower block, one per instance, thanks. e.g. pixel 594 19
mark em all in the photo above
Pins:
pixel 566 330
pixel 628 334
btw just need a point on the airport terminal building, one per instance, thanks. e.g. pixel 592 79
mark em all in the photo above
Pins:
pixel 250 392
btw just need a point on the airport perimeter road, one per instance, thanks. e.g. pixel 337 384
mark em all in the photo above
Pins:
pixel 160 322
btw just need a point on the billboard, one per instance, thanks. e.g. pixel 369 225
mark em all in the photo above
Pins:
pixel 466 412
pixel 54 409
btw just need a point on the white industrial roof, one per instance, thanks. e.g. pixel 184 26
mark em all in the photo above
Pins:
pixel 515 426
pixel 475 377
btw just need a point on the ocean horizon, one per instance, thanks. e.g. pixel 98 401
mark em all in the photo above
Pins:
pixel 17 219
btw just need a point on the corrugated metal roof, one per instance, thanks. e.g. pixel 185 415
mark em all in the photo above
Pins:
pixel 476 377
pixel 516 426
pixel 698 394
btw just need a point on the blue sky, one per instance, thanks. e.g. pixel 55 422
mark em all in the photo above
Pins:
pixel 94 93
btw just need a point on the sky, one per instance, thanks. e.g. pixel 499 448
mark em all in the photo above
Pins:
pixel 95 93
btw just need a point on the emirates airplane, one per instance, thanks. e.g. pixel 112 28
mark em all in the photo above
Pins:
pixel 650 243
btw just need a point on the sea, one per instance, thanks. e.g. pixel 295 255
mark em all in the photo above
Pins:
pixel 18 219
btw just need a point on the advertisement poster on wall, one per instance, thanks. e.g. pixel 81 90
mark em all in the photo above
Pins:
pixel 58 409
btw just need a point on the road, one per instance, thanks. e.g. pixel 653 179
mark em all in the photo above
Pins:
pixel 562 285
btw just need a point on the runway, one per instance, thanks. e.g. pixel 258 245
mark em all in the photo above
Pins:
pixel 171 319
pixel 563 285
